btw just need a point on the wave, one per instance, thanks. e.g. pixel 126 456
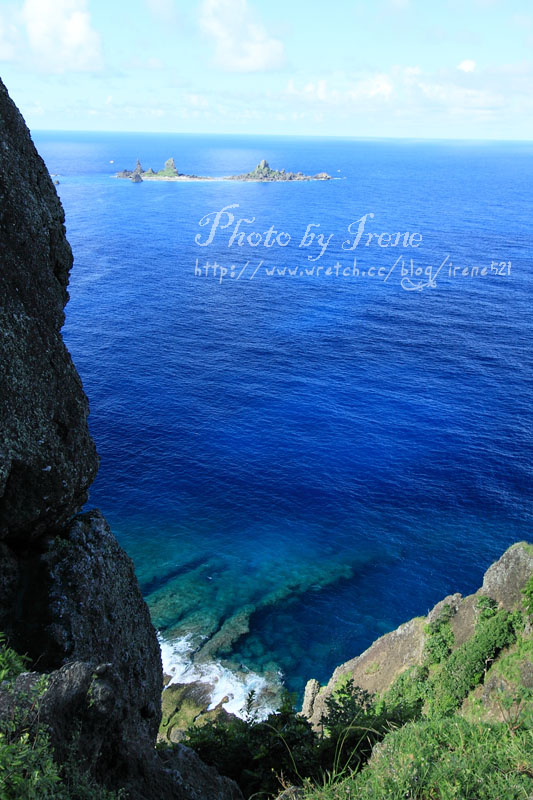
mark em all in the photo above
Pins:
pixel 228 687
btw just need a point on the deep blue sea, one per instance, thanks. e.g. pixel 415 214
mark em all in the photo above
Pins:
pixel 297 459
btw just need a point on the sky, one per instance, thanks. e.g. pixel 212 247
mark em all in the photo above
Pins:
pixel 363 68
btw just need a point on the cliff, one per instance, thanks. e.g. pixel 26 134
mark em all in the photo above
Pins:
pixel 439 708
pixel 396 652
pixel 68 594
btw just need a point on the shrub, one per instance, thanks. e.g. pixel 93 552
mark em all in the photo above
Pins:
pixel 466 666
pixel 256 754
pixel 11 664
pixel 487 608
pixel 284 747
pixel 408 692
pixel 439 637
pixel 27 767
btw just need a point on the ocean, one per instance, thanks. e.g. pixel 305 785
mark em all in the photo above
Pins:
pixel 304 441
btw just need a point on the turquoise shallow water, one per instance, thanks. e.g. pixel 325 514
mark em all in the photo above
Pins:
pixel 298 463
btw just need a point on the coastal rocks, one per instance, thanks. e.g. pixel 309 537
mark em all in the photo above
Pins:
pixel 312 689
pixel 186 704
pixel 374 670
pixel 230 632
pixel 47 458
pixel 169 172
pixel 263 172
pixel 504 580
pixel 78 707
pixel 9 579
pixel 96 612
pixel 170 168
pixel 390 655
pixel 76 703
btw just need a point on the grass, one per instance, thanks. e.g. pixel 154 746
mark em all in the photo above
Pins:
pixel 442 759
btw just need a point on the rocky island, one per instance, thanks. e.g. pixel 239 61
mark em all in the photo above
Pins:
pixel 263 172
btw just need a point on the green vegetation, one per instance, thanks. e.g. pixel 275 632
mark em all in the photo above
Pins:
pixel 27 768
pixel 169 170
pixel 466 666
pixel 417 740
pixel 527 593
pixel 11 664
pixel 408 692
pixel 442 759
pixel 486 607
pixel 439 637
pixel 256 754
pixel 263 755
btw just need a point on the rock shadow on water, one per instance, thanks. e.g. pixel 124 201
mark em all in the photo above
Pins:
pixel 205 626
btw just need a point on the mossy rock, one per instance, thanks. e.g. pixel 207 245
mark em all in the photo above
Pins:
pixel 186 704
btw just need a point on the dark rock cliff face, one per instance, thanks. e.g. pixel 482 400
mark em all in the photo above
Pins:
pixel 68 594
pixel 47 458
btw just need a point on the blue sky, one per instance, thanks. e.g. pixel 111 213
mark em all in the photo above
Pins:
pixel 406 68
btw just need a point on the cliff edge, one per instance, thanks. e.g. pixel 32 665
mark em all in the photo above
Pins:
pixel 69 598
pixel 396 652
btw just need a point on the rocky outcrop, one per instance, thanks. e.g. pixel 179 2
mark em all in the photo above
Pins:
pixel 185 704
pixel 47 458
pixel 390 655
pixel 263 172
pixel 68 593
pixel 170 167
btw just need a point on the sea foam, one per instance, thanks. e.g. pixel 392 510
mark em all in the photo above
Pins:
pixel 178 664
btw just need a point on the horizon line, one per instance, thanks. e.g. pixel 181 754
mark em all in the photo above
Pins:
pixel 286 135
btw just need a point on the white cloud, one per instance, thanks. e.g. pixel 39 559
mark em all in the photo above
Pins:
pixel 196 100
pixel 458 100
pixel 468 65
pixel 242 44
pixel 368 87
pixel 375 86
pixel 61 36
